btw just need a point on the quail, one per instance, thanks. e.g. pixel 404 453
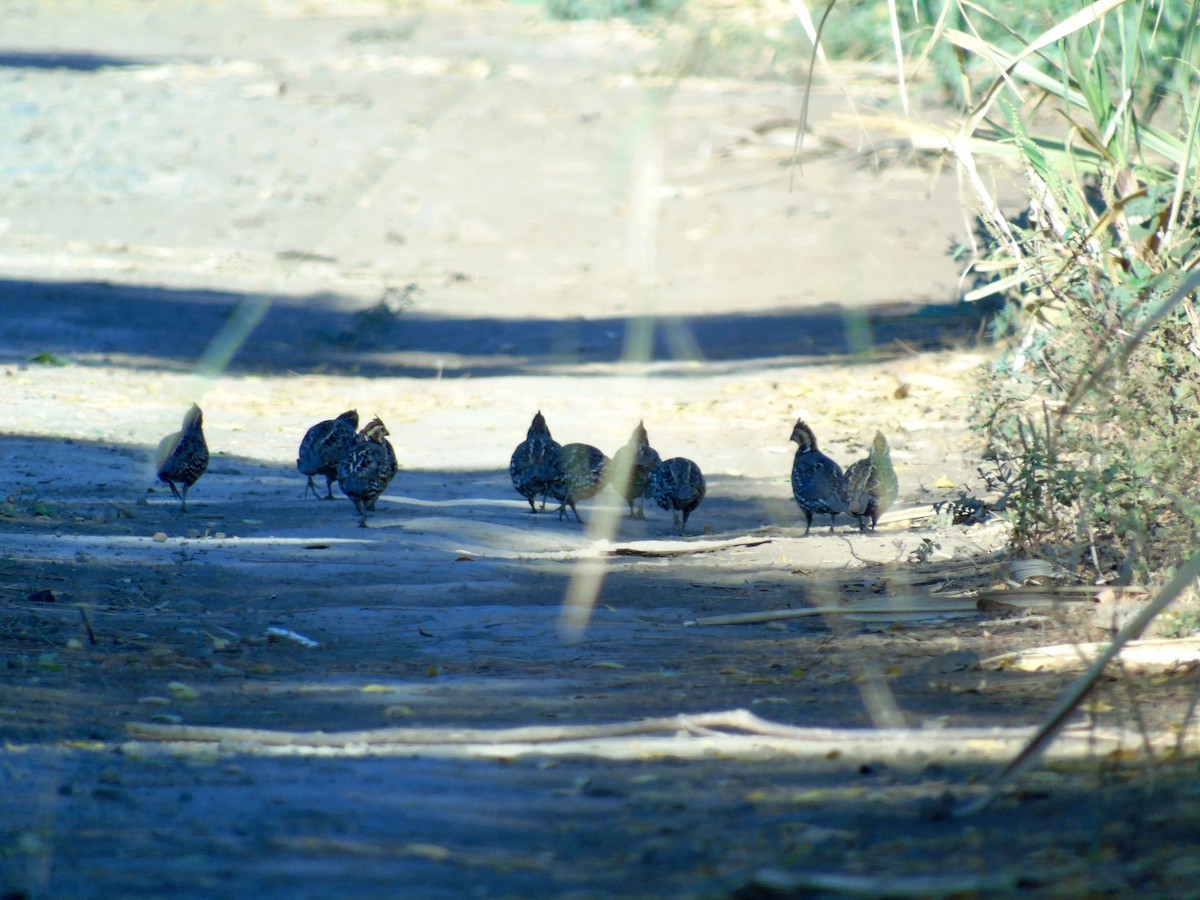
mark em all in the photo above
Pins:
pixel 818 483
pixel 364 471
pixel 871 484
pixel 585 472
pixel 631 468
pixel 323 446
pixel 678 485
pixel 182 457
pixel 536 465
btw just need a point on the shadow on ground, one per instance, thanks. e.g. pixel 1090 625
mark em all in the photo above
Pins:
pixel 73 60
pixel 150 327
pixel 415 629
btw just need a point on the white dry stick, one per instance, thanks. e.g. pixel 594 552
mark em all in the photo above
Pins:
pixel 288 634
pixel 1033 750
pixel 806 883
pixel 810 29
pixel 1165 655
pixel 734 733
pixel 775 615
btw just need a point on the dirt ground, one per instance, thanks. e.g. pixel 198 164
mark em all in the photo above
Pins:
pixel 452 216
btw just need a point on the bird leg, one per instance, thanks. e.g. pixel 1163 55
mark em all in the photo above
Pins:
pixel 328 487
pixel 563 509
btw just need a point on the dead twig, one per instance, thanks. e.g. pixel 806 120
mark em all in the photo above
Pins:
pixel 1156 655
pixel 733 733
pixel 1054 723
pixel 804 883
pixel 85 613
pixel 774 615
pixel 684 550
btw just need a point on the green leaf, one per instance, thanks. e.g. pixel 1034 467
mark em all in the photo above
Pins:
pixel 47 358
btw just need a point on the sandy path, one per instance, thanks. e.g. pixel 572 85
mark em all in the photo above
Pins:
pixel 172 172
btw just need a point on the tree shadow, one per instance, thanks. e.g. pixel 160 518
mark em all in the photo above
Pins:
pixel 173 329
pixel 74 60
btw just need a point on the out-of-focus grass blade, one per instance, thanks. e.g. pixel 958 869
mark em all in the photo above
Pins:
pixel 1033 750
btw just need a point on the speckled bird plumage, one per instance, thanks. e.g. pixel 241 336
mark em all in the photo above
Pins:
pixel 182 457
pixel 871 484
pixel 677 485
pixel 631 468
pixel 585 472
pixel 818 483
pixel 536 465
pixel 366 469
pixel 322 448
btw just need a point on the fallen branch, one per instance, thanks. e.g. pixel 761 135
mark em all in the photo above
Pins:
pixel 1159 655
pixel 731 734
pixel 803 884
pixel 773 615
pixel 683 549
pixel 1050 729
pixel 523 734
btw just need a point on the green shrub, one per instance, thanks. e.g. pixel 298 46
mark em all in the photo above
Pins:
pixel 611 9
pixel 1092 411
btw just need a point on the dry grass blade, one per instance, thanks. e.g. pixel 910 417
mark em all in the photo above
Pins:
pixel 1054 723
pixel 816 42
pixel 898 49
pixel 1086 16
pixel 1182 182
pixel 810 29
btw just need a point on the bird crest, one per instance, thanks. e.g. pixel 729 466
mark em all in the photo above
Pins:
pixel 193 418
pixel 803 435
pixel 375 431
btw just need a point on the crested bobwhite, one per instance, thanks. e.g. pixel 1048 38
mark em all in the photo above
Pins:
pixel 182 457
pixel 366 469
pixel 818 483
pixel 631 468
pixel 677 484
pixel 585 472
pixel 871 484
pixel 323 446
pixel 536 465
